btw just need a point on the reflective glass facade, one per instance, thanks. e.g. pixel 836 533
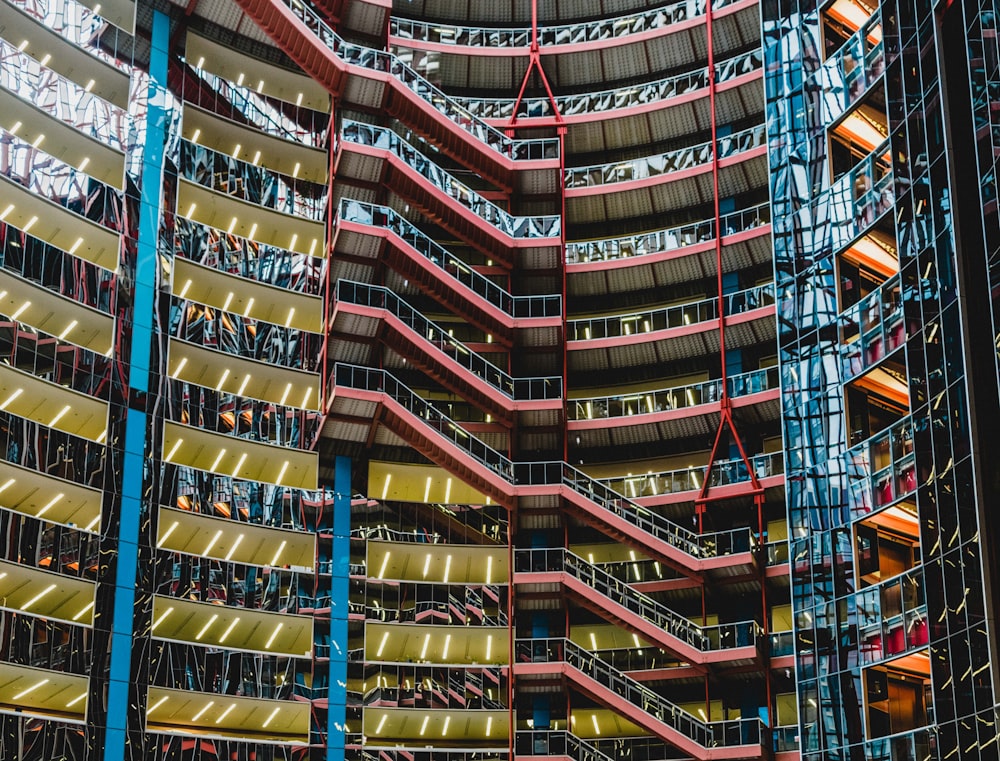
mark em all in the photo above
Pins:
pixel 434 380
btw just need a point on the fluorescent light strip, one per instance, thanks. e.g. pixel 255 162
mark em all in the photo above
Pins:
pixel 225 713
pixel 274 634
pixel 232 550
pixel 229 630
pixel 271 717
pixel 206 627
pixel 203 710
pixel 52 502
pixel 31 689
pixel 83 611
pixel 381 723
pixel 157 704
pixel 161 619
pixel 76 700
pixel 38 597
pixel 211 544
pixel 281 548
pixel 423 726
pixel 381 646
pixel 385 564
pixel 166 536
pixel 59 415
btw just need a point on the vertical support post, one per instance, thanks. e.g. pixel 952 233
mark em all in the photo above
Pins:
pixel 340 559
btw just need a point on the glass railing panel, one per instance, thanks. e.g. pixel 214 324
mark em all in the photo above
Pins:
pixel 553 743
pixel 384 217
pixel 377 60
pixel 249 259
pixel 872 329
pixel 892 617
pixel 674 398
pixel 852 69
pixel 251 183
pixel 691 479
pixel 62 99
pixel 50 451
pixel 664 318
pixel 53 268
pixel 665 163
pixel 515 227
pixel 65 186
pixel 51 359
pixel 627 96
pixel 242 105
pixel 670 239
pixel 859 197
pixel 81 26
pixel 246 337
pixel 513 388
pixel 878 474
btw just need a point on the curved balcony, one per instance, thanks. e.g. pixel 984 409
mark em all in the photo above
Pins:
pixel 378 399
pixel 660 183
pixel 671 256
pixel 371 78
pixel 362 310
pixel 242 105
pixel 578 48
pixel 62 99
pixel 50 48
pixel 658 488
pixel 581 108
pixel 218 251
pixel 621 605
pixel 622 694
pixel 28 492
pixel 64 186
pixel 77 24
pixel 678 412
pixel 441 275
pixel 658 335
pixel 253 184
pixel 368 153
pixel 53 695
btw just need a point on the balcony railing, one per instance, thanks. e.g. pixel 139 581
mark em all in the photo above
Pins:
pixel 881 469
pixel 386 218
pixel 702 638
pixel 252 183
pixel 233 255
pixel 675 398
pixel 576 33
pixel 665 163
pixel 80 26
pixel 545 473
pixel 511 387
pixel 386 139
pixel 63 185
pixel 549 743
pixel 691 313
pixel 670 239
pixel 378 60
pixel 62 99
pixel 691 479
pixel 616 98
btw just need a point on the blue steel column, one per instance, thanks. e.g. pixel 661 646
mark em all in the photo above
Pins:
pixel 126 693
pixel 339 599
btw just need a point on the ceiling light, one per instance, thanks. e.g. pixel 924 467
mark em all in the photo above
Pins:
pixel 447 568
pixel 26 304
pixel 67 330
pixel 162 618
pixel 381 646
pixel 211 544
pixel 427 560
pixel 32 688
pixel 275 713
pixel 229 630
pixel 239 467
pixel 180 366
pixel 423 725
pixel 10 482
pixel 281 548
pixel 83 611
pixel 291 312
pixel 385 563
pixel 59 415
pixel 218 386
pixel 281 474
pixel 489 647
pixel 38 597
pixel 50 504
pixel 444 729
pixel 218 459
pixel 84 163
pixel 225 713
pixel 274 634
pixel 423 650
pixel 173 449
pixel 11 398
pixel 203 710
pixel 284 397
pixel 206 627
pixel 243 385
pixel 447 644
pixel 157 704
pixel 77 699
